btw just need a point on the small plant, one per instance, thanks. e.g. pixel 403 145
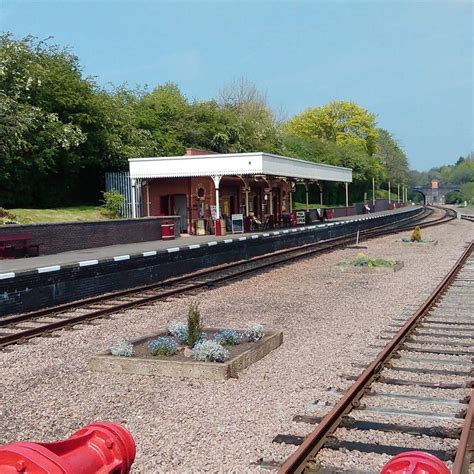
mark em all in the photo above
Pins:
pixel 416 235
pixel 255 332
pixel 228 337
pixel 362 260
pixel 113 202
pixel 179 331
pixel 123 349
pixel 7 217
pixel 194 324
pixel 163 346
pixel 210 351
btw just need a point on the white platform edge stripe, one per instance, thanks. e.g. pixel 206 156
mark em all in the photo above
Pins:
pixel 242 238
pixel 118 258
pixel 3 276
pixel 86 263
pixel 255 236
pixel 227 241
pixel 173 249
pixel 212 243
pixel 52 268
pixel 150 253
pixel 194 246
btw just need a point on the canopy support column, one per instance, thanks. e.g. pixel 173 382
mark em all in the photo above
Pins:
pixel 306 187
pixel 217 179
pixel 133 201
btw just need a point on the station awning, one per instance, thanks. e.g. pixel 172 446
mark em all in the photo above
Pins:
pixel 236 164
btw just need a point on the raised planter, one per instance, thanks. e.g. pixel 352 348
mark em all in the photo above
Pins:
pixel 242 356
pixel 422 244
pixel 355 269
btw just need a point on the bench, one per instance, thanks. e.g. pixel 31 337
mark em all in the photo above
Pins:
pixel 17 245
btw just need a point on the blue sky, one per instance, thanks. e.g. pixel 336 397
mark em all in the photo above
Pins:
pixel 409 62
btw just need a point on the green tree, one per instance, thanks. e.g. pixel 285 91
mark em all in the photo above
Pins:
pixel 341 122
pixel 392 157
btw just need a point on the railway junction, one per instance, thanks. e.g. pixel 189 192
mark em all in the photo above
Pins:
pixel 335 324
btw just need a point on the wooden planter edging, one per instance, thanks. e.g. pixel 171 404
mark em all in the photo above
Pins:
pixel 105 362
pixel 430 243
pixel 353 269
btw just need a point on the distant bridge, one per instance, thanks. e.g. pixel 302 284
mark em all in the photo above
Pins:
pixel 435 192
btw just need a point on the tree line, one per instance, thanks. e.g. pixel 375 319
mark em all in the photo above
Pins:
pixel 60 131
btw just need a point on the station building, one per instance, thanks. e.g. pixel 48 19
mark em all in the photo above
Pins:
pixel 203 188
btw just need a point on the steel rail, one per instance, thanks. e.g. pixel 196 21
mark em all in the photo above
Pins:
pixel 318 437
pixel 288 255
pixel 8 320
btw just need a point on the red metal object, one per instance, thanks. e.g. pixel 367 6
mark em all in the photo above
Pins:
pixel 415 462
pixel 99 448
pixel 328 213
pixel 218 227
pixel 167 231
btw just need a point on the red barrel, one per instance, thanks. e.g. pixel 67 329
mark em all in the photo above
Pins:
pixel 167 231
pixel 328 213
pixel 105 448
pixel 415 462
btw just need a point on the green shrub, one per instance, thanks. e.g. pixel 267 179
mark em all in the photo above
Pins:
pixel 416 235
pixel 7 217
pixel 194 324
pixel 113 202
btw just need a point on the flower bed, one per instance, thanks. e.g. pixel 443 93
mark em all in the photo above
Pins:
pixel 363 264
pixel 189 350
pixel 182 364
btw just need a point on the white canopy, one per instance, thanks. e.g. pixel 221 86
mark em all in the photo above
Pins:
pixel 234 164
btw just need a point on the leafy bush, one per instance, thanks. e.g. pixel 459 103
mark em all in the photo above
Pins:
pixel 123 348
pixel 7 217
pixel 113 202
pixel 210 351
pixel 416 235
pixel 194 324
pixel 255 332
pixel 179 331
pixel 228 337
pixel 163 346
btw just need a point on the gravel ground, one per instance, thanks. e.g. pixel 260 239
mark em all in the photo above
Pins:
pixel 328 318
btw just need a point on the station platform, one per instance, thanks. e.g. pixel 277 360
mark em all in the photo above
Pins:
pixel 122 252
pixel 39 282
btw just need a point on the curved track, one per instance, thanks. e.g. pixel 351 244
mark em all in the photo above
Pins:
pixel 18 328
pixel 432 350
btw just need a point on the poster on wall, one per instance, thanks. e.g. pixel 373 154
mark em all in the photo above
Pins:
pixel 213 212
pixel 237 223
pixel 300 217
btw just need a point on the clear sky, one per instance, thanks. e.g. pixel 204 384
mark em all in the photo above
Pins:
pixel 409 62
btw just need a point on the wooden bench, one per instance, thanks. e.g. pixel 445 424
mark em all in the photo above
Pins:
pixel 17 245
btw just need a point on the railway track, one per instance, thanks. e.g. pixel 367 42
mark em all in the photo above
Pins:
pixel 419 387
pixel 21 327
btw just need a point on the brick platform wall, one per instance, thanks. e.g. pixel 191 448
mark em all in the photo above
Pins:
pixel 58 238
pixel 32 290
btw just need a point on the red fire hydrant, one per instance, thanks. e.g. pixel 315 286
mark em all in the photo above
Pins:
pixel 415 462
pixel 98 448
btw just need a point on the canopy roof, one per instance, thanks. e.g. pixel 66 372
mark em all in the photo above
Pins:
pixel 235 164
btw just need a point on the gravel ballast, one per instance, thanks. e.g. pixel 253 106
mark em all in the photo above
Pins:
pixel 328 318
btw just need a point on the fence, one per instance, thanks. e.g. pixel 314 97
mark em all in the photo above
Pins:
pixel 120 181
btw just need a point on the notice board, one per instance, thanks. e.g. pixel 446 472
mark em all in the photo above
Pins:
pixel 300 217
pixel 237 223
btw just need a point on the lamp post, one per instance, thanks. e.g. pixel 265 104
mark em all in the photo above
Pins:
pixel 389 201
